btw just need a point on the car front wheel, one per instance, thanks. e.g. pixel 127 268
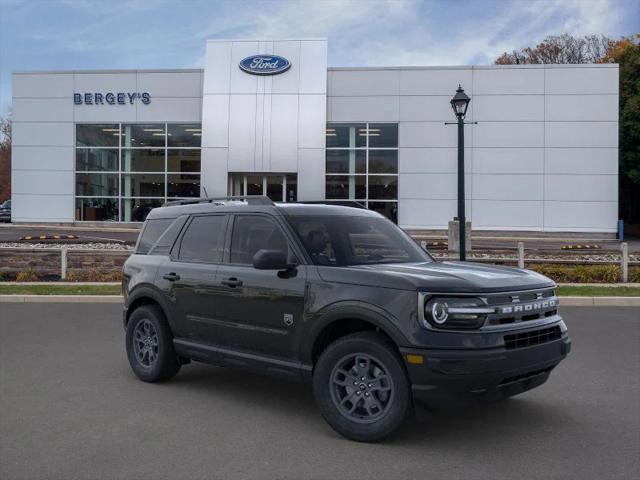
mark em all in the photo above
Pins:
pixel 361 387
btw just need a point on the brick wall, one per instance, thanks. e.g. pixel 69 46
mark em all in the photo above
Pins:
pixel 46 264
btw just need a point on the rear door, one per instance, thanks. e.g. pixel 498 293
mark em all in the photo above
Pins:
pixel 259 310
pixel 188 276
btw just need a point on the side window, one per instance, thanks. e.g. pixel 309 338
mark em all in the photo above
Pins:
pixel 153 229
pixel 166 240
pixel 204 239
pixel 317 240
pixel 252 233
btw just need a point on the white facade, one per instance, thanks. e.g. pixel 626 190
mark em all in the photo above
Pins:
pixel 543 155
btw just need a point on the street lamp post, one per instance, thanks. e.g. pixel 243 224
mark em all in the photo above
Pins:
pixel 460 103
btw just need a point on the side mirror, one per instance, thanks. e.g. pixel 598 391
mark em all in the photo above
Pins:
pixel 271 260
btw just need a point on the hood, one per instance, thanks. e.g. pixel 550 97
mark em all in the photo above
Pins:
pixel 461 277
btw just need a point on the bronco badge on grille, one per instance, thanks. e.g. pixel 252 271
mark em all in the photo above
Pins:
pixel 529 307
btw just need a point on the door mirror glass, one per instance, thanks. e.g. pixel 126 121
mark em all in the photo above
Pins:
pixel 271 260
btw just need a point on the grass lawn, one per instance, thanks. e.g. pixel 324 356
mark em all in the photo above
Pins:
pixel 53 289
pixel 570 291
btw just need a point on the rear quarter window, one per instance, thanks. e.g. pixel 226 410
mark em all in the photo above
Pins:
pixel 151 233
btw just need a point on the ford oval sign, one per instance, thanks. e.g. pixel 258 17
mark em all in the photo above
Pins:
pixel 265 64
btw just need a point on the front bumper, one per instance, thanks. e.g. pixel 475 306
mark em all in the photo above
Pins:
pixel 457 378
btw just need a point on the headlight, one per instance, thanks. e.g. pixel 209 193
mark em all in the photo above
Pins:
pixel 455 313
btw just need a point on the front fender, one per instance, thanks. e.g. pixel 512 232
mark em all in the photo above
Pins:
pixel 349 309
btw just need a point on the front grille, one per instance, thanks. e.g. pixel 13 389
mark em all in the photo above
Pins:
pixel 534 337
pixel 515 307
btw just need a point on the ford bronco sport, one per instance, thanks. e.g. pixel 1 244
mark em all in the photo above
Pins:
pixel 340 297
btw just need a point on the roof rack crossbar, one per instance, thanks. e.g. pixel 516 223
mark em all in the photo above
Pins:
pixel 250 199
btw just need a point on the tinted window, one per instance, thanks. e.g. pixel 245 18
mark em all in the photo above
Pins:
pixel 349 240
pixel 252 233
pixel 151 233
pixel 166 240
pixel 204 239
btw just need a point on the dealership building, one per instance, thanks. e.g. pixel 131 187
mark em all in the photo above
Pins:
pixel 271 118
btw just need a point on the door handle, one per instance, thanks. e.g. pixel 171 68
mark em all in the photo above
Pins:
pixel 172 277
pixel 232 282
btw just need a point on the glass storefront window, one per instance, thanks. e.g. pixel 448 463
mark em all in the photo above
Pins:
pixel 143 160
pixel 292 188
pixel 383 161
pixel 97 185
pixel 362 165
pixel 346 161
pixel 137 209
pixel 383 187
pixel 254 185
pixel 97 135
pixel 96 209
pixel 143 135
pixel 179 185
pixel 346 136
pixel 134 167
pixel 383 135
pixel 184 135
pixel 96 160
pixel 143 185
pixel 186 161
pixel 346 187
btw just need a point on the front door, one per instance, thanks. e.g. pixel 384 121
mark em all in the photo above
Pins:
pixel 258 310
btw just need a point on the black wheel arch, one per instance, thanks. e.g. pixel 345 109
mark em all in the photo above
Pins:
pixel 146 295
pixel 347 317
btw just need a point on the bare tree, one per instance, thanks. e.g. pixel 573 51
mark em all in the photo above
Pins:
pixel 563 48
pixel 5 158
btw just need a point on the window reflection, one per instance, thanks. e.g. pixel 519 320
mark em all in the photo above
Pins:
pixel 101 135
pixel 96 160
pixel 143 135
pixel 143 185
pixel 183 185
pixel 184 135
pixel 96 209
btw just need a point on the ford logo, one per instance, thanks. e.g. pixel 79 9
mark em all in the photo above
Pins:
pixel 265 64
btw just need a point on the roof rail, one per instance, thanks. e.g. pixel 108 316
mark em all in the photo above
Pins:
pixel 342 203
pixel 249 199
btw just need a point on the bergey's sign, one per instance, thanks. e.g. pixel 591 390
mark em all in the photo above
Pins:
pixel 110 98
pixel 265 64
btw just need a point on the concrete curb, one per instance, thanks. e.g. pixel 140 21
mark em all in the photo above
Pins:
pixel 599 302
pixel 564 301
pixel 61 299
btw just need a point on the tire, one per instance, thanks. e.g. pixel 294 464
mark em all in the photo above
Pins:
pixel 383 402
pixel 149 344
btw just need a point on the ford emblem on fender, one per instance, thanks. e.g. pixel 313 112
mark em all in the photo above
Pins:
pixel 265 64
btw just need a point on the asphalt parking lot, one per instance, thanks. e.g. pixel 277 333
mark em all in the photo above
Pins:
pixel 71 408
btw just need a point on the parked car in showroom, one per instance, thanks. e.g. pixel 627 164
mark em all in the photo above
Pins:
pixel 339 297
pixel 5 211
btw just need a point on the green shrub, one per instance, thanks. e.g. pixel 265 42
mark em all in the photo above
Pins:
pixel 580 273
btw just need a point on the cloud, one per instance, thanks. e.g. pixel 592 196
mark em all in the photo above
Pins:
pixel 85 34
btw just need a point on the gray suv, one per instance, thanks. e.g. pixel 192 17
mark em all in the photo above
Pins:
pixel 339 297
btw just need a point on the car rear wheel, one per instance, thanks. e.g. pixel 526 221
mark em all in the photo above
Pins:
pixel 150 345
pixel 361 387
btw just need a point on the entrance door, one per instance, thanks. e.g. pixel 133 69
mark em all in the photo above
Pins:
pixel 278 187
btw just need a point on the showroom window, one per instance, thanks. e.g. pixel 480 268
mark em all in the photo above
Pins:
pixel 124 170
pixel 362 165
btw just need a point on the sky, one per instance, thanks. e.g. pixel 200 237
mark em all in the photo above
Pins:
pixel 108 34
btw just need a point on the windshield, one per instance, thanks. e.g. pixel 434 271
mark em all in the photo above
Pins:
pixel 341 240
